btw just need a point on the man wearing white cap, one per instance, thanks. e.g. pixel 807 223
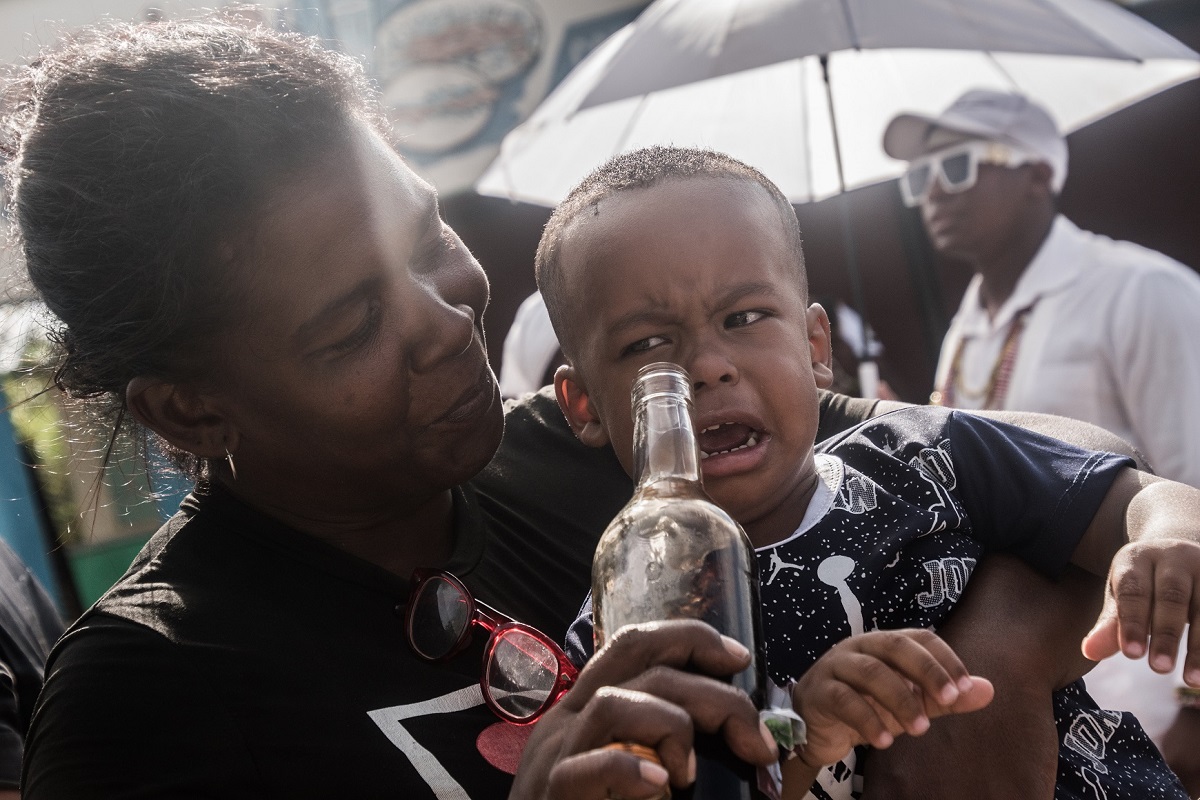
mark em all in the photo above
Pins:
pixel 1056 319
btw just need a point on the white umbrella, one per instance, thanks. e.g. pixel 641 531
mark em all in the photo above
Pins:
pixel 766 81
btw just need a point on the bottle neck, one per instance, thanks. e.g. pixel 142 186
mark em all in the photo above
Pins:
pixel 664 442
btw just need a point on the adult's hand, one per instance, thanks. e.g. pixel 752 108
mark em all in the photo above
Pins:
pixel 649 685
pixel 1021 631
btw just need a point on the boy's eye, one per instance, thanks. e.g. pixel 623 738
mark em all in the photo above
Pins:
pixel 741 318
pixel 642 345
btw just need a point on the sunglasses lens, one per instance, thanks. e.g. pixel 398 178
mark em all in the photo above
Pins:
pixel 439 619
pixel 915 183
pixel 957 169
pixel 521 674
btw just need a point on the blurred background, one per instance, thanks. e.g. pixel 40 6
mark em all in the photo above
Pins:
pixel 457 76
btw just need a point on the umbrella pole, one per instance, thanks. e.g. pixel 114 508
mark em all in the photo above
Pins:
pixel 868 370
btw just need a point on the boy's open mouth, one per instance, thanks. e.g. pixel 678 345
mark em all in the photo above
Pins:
pixel 726 437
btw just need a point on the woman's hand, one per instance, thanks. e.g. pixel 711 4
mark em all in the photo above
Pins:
pixel 649 685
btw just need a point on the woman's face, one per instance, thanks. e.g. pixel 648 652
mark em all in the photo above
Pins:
pixel 358 380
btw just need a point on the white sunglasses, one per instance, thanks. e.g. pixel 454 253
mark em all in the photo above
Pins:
pixel 957 167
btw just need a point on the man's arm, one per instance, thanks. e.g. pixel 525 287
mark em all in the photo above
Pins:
pixel 1022 631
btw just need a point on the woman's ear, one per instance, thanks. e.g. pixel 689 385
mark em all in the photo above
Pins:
pixel 820 345
pixel 180 415
pixel 577 407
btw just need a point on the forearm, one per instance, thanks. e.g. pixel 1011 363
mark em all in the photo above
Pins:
pixel 1020 626
pixel 1138 508
pixel 1021 630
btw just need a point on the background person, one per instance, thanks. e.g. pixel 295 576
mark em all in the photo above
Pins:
pixel 1057 319
pixel 29 626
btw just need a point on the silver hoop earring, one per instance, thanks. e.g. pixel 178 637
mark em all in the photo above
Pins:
pixel 229 458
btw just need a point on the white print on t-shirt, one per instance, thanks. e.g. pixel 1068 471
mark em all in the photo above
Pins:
pixel 1088 736
pixel 834 571
pixel 947 580
pixel 778 564
pixel 935 465
pixel 857 495
pixel 428 767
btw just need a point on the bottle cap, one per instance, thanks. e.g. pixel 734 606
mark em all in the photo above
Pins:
pixel 661 377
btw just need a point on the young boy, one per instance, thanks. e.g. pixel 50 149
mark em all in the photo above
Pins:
pixel 687 256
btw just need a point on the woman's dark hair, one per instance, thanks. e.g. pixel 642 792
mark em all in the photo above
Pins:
pixel 134 155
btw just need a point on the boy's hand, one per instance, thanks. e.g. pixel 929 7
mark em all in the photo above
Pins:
pixel 869 688
pixel 1146 538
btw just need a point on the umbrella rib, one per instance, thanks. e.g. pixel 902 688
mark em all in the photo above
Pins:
pixel 851 29
pixel 1096 37
pixel 1000 68
pixel 633 120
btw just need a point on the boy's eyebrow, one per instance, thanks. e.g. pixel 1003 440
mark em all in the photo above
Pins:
pixel 741 290
pixel 634 318
pixel 663 315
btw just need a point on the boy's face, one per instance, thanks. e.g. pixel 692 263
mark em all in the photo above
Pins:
pixel 699 272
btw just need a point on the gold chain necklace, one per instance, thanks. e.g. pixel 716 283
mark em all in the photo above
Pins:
pixel 993 392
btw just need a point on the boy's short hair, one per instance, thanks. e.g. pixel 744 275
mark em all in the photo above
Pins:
pixel 641 169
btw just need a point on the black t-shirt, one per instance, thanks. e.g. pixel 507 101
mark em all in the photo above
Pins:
pixel 240 658
pixel 29 625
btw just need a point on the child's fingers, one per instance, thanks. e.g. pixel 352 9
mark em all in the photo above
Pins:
pixel 923 658
pixel 875 676
pixel 1172 604
pixel 841 704
pixel 1191 667
pixel 976 697
pixel 1132 588
pixel 1102 640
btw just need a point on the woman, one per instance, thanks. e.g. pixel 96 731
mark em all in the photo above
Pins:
pixel 243 266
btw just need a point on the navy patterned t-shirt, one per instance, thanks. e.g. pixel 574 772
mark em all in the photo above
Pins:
pixel 907 505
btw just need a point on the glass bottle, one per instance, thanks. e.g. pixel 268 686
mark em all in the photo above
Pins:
pixel 671 553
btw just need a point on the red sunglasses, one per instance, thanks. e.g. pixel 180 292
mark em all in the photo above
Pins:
pixel 524 671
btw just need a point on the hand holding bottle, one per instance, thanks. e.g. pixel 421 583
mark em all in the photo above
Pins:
pixel 651 685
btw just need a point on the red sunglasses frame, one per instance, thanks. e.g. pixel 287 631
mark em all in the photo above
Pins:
pixel 497 624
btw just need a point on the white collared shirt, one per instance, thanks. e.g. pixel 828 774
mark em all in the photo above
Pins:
pixel 1113 338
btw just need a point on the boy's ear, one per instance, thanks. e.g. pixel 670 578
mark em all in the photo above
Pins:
pixel 577 407
pixel 180 415
pixel 820 345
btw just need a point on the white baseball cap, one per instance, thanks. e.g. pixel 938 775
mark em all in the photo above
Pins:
pixel 986 114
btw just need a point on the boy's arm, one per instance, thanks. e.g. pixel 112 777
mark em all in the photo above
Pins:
pixel 1148 530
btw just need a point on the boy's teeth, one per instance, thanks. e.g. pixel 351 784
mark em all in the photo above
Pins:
pixel 750 442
